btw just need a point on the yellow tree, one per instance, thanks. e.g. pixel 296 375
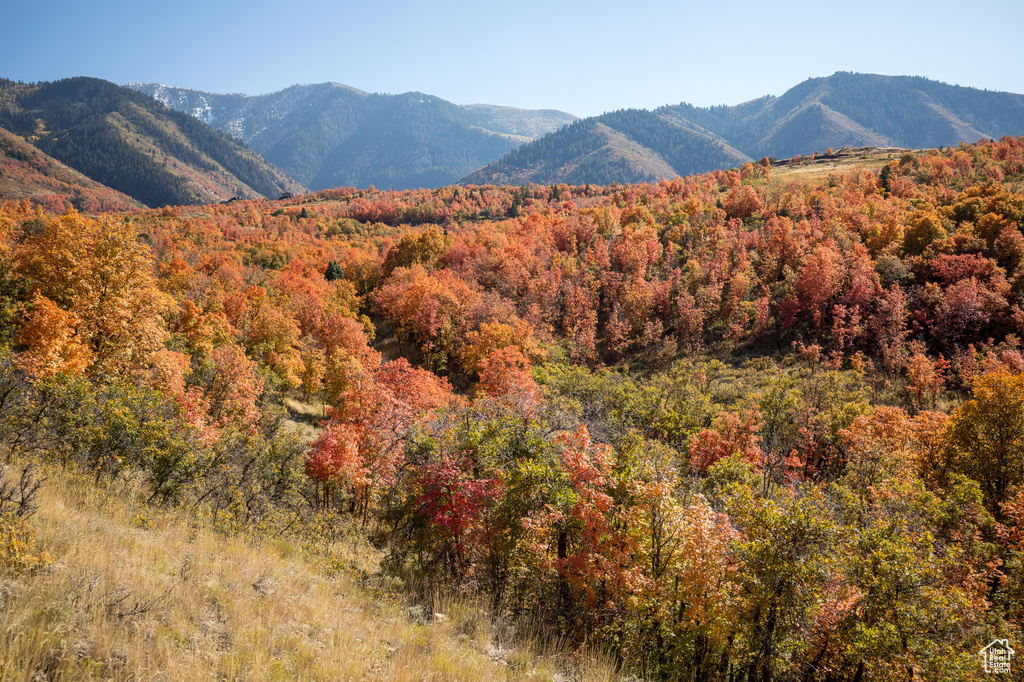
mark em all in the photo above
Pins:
pixel 984 437
pixel 493 336
pixel 98 270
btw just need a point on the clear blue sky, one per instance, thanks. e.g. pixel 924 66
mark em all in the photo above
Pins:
pixel 580 57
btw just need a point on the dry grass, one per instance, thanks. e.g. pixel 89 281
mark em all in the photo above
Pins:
pixel 843 161
pixel 139 593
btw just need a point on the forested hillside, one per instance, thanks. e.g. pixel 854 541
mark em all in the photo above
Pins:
pixel 850 109
pixel 27 173
pixel 623 146
pixel 731 426
pixel 842 110
pixel 133 144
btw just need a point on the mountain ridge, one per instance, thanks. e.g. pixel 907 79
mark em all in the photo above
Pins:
pixel 330 134
pixel 166 149
pixel 842 110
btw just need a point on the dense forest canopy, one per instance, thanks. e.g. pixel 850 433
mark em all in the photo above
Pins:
pixel 728 426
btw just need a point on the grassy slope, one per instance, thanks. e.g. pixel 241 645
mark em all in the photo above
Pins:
pixel 139 593
pixel 841 161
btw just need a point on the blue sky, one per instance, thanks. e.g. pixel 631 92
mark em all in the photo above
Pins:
pixel 580 57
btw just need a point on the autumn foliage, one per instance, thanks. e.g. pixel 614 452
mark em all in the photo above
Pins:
pixel 729 426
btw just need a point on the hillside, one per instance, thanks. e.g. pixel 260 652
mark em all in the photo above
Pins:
pixel 130 142
pixel 616 147
pixel 142 591
pixel 27 173
pixel 842 110
pixel 330 135
pixel 521 124
pixel 762 424
pixel 849 109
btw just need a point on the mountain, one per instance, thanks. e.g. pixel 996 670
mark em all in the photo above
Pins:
pixel 27 173
pixel 132 143
pixel 842 110
pixel 624 146
pixel 331 135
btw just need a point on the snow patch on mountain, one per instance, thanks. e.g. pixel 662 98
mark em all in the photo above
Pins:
pixel 242 116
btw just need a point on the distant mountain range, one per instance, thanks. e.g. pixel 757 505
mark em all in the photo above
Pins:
pixel 331 135
pixel 93 144
pixel 845 109
pixel 132 143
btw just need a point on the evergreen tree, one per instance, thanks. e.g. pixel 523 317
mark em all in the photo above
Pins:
pixel 333 272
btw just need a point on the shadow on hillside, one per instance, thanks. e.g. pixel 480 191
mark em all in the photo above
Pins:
pixel 387 344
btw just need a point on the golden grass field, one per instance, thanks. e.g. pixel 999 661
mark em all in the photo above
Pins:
pixel 134 592
pixel 841 161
